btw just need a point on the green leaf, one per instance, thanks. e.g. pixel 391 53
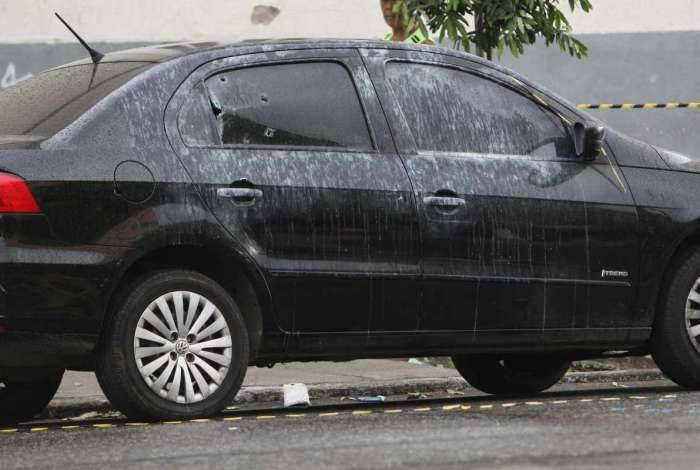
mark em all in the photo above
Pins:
pixel 501 23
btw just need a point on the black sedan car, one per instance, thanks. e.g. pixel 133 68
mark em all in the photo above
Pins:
pixel 171 215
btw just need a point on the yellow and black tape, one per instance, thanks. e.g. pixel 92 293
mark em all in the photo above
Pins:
pixel 691 105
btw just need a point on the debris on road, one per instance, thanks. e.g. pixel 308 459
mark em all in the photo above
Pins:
pixel 296 395
pixel 95 415
pixel 377 398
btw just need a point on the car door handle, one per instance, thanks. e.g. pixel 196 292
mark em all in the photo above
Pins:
pixel 240 194
pixel 444 202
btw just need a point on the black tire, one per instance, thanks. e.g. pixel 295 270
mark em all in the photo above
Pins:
pixel 22 400
pixel 116 367
pixel 510 375
pixel 671 345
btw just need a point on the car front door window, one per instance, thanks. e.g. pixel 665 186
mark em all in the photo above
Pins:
pixel 483 117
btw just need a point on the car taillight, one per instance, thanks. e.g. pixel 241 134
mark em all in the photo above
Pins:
pixel 15 196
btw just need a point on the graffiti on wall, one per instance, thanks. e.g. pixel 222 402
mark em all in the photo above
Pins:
pixel 9 77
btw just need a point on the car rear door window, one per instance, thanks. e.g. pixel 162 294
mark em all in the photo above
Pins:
pixel 449 110
pixel 309 104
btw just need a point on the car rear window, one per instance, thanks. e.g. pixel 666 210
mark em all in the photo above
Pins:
pixel 49 102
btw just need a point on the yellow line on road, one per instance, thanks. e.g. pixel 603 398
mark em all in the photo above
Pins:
pixel 485 406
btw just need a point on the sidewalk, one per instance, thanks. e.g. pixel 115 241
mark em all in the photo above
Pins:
pixel 80 392
pixel 354 373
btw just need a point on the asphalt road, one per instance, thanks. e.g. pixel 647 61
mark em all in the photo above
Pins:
pixel 644 426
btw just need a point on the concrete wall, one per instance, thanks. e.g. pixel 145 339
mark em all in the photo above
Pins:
pixel 630 68
pixel 640 50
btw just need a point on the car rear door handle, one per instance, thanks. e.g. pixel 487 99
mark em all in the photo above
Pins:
pixel 240 194
pixel 444 202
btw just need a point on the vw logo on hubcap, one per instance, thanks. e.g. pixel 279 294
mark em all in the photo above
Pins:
pixel 182 347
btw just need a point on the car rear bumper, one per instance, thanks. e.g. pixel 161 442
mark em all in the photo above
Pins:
pixel 23 352
pixel 53 295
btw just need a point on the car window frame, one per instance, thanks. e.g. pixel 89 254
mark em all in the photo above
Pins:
pixel 201 83
pixel 502 80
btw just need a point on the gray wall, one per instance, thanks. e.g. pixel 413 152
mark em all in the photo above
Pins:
pixel 630 68
pixel 633 67
pixel 18 61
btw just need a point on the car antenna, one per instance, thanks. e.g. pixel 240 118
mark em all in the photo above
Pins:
pixel 96 56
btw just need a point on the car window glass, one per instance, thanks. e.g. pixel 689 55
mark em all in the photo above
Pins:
pixel 196 121
pixel 454 111
pixel 51 101
pixel 300 104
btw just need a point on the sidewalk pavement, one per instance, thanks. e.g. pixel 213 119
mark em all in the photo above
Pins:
pixel 356 373
pixel 80 392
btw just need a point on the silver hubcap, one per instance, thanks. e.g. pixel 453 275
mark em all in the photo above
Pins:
pixel 182 347
pixel 692 315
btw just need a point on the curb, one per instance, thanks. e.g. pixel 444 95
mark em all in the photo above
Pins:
pixel 62 408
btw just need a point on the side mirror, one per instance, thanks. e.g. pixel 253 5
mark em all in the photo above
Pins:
pixel 588 140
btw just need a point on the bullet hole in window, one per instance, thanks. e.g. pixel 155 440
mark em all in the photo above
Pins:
pixel 269 133
pixel 264 98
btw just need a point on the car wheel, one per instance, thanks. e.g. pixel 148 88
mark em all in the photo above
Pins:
pixel 175 348
pixel 21 400
pixel 676 334
pixel 511 374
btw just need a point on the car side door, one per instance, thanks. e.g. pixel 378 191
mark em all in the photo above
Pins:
pixel 291 152
pixel 516 229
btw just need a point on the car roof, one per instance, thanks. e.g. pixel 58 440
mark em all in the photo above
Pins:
pixel 167 52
